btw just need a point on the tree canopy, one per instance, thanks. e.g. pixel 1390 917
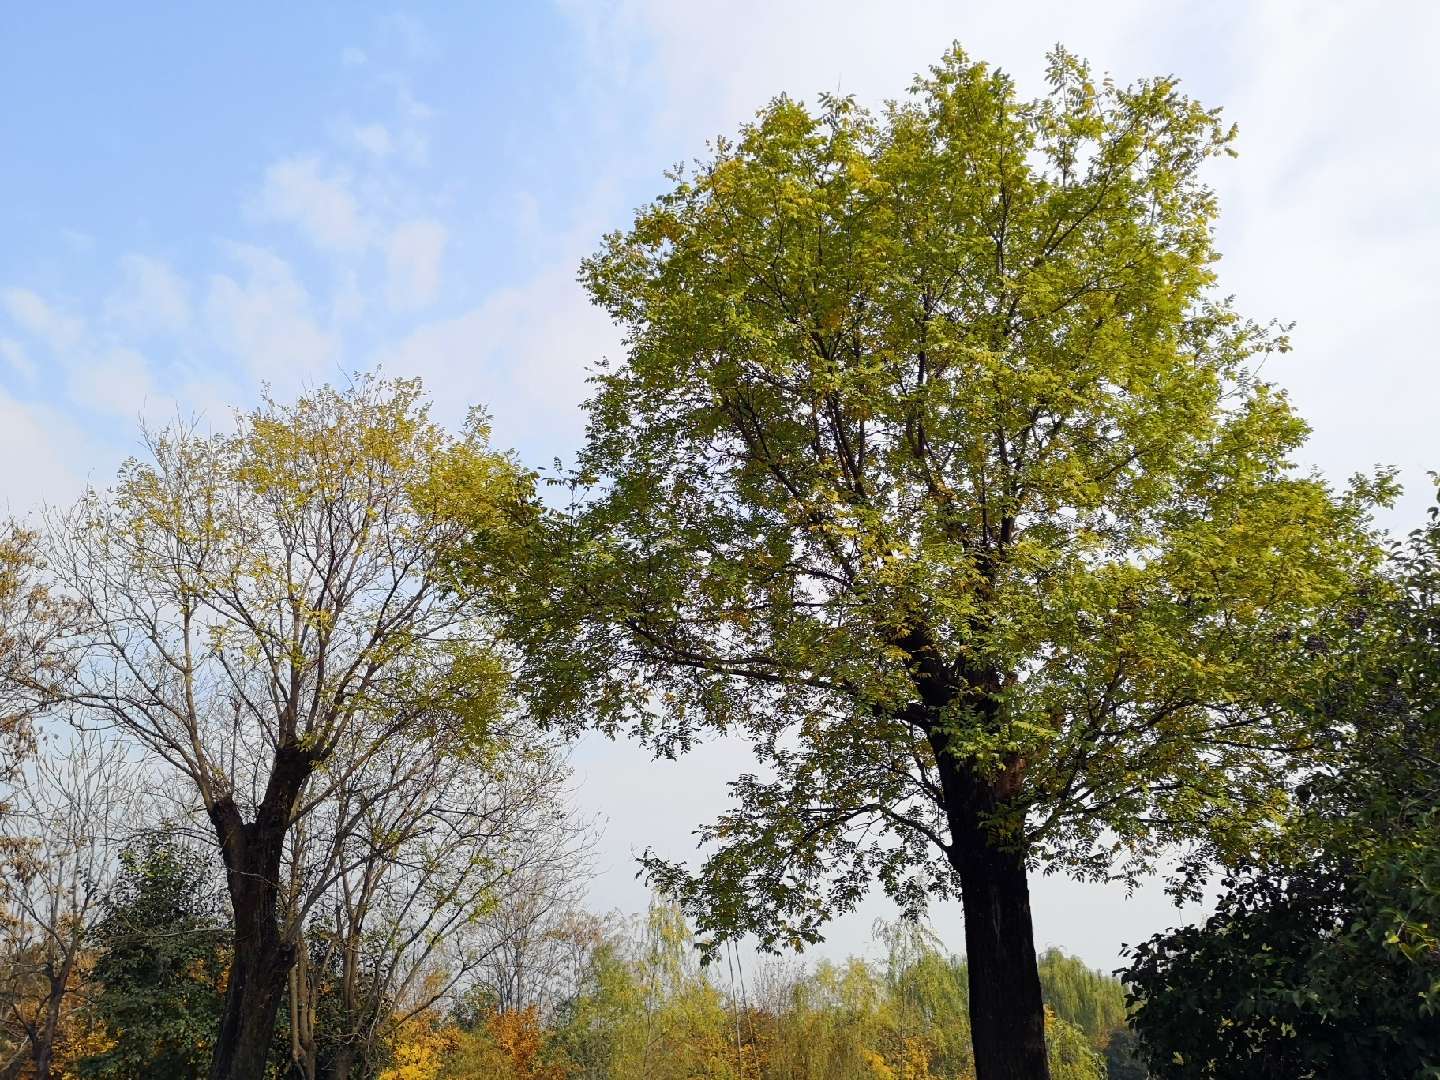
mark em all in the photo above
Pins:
pixel 266 610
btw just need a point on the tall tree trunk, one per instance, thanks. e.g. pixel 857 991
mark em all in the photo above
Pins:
pixel 259 970
pixel 1007 1014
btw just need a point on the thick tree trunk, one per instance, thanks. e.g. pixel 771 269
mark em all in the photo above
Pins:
pixel 1007 1015
pixel 258 975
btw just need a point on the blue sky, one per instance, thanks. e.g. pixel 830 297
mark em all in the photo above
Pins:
pixel 196 200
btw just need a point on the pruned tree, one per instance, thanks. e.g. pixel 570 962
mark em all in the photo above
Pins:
pixel 936 467
pixel 73 807
pixel 265 610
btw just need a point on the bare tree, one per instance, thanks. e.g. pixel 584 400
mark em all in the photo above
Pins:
pixel 266 611
pixel 539 938
pixel 72 810
pixel 428 866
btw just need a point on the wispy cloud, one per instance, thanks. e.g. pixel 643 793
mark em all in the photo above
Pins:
pixel 413 254
pixel 373 139
pixel 152 298
pixel 17 359
pixel 264 317
pixel 59 331
pixel 323 206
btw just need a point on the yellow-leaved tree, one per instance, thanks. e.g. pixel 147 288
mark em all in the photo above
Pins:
pixel 266 610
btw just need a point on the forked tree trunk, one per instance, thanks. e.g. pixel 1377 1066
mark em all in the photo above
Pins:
pixel 260 970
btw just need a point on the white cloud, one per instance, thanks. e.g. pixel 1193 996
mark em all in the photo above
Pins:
pixel 711 66
pixel 116 381
pixel 413 254
pixel 353 57
pixel 57 330
pixel 17 359
pixel 524 353
pixel 55 453
pixel 265 319
pixel 373 138
pixel 1329 218
pixel 409 138
pixel 322 207
pixel 152 298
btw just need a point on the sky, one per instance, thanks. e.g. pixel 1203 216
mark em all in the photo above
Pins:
pixel 197 201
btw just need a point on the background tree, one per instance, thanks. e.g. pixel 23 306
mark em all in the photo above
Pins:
pixel 538 936
pixel 253 603
pixel 72 809
pixel 1069 1054
pixel 31 616
pixel 1322 957
pixel 1093 1002
pixel 162 949
pixel 419 906
pixel 935 466
pixel 644 1009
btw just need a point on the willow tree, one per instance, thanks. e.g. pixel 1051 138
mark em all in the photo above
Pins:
pixel 266 610
pixel 936 466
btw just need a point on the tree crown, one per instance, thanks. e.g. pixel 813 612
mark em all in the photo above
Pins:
pixel 931 432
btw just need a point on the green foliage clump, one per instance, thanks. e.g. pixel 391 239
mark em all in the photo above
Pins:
pixel 162 953
pixel 645 1009
pixel 1323 956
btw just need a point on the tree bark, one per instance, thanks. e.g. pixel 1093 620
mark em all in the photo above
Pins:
pixel 1007 1013
pixel 258 972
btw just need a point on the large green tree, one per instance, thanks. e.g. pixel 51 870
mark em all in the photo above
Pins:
pixel 936 467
